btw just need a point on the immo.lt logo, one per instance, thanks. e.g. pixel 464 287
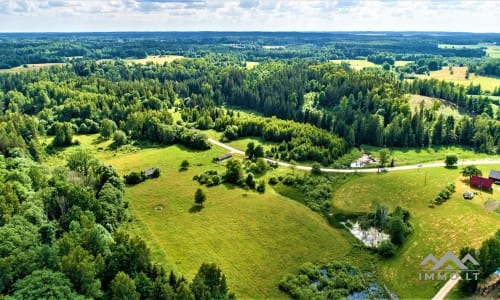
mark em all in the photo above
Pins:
pixel 448 267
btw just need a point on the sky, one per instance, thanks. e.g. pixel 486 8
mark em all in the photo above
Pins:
pixel 249 15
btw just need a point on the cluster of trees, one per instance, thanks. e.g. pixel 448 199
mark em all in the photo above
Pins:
pixel 488 256
pixel 333 280
pixel 138 177
pixel 235 174
pixel 61 228
pixel 444 195
pixel 397 224
pixel 489 67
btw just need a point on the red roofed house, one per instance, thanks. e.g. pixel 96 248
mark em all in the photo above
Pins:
pixel 481 182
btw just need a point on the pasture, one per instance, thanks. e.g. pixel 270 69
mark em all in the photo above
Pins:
pixel 30 67
pixel 458 76
pixel 255 238
pixel 156 59
pixel 413 156
pixel 450 226
pixel 363 63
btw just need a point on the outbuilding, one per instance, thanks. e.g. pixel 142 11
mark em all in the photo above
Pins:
pixel 223 157
pixel 481 182
pixel 494 175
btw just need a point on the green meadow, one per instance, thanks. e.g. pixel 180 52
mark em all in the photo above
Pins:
pixel 258 238
pixel 454 224
pixel 255 238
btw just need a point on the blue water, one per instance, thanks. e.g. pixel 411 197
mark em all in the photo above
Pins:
pixel 373 290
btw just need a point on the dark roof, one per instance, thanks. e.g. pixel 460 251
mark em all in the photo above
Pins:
pixel 150 171
pixel 494 175
pixel 225 156
pixel 481 182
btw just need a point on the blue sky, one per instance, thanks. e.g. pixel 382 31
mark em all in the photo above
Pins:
pixel 241 15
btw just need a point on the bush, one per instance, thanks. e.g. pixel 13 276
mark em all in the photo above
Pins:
pixel 261 186
pixel 135 177
pixel 184 165
pixel 386 249
pixel 273 181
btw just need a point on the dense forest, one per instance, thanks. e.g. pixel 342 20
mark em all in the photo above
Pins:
pixel 30 48
pixel 345 107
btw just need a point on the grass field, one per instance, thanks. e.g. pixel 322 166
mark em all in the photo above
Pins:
pixel 30 67
pixel 454 224
pixel 355 63
pixel 458 76
pixel 362 63
pixel 255 238
pixel 157 59
pixel 251 64
pixel 413 156
pixel 445 107
pixel 400 63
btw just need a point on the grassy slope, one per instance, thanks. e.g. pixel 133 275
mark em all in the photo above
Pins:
pixel 413 156
pixel 256 239
pixel 458 76
pixel 452 225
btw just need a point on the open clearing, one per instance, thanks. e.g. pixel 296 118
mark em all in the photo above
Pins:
pixel 30 67
pixel 355 63
pixel 363 63
pixel 156 59
pixel 444 107
pixel 450 226
pixel 458 76
pixel 255 238
pixel 251 64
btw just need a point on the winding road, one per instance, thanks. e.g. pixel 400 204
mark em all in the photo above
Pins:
pixel 487 161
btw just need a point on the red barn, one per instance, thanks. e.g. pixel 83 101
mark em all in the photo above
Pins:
pixel 481 182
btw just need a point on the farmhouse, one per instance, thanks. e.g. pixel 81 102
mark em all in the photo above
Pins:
pixel 481 182
pixel 494 175
pixel 151 172
pixel 223 157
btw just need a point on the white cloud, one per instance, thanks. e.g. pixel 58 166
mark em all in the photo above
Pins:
pixel 321 15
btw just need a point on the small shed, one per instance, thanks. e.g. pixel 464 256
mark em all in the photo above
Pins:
pixel 223 157
pixel 494 175
pixel 481 182
pixel 151 172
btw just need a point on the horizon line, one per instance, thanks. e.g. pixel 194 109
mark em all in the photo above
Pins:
pixel 247 31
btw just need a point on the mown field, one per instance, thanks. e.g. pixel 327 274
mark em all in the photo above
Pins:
pixel 449 227
pixel 458 76
pixel 156 59
pixel 362 63
pixel 255 238
pixel 30 67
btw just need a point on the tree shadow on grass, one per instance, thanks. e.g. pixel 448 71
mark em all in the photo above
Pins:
pixel 195 209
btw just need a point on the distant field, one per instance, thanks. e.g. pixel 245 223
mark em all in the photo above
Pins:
pixel 454 224
pixel 400 63
pixel 157 59
pixel 30 67
pixel 255 238
pixel 251 64
pixel 458 76
pixel 355 63
pixel 445 107
pixel 491 50
pixel 362 63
